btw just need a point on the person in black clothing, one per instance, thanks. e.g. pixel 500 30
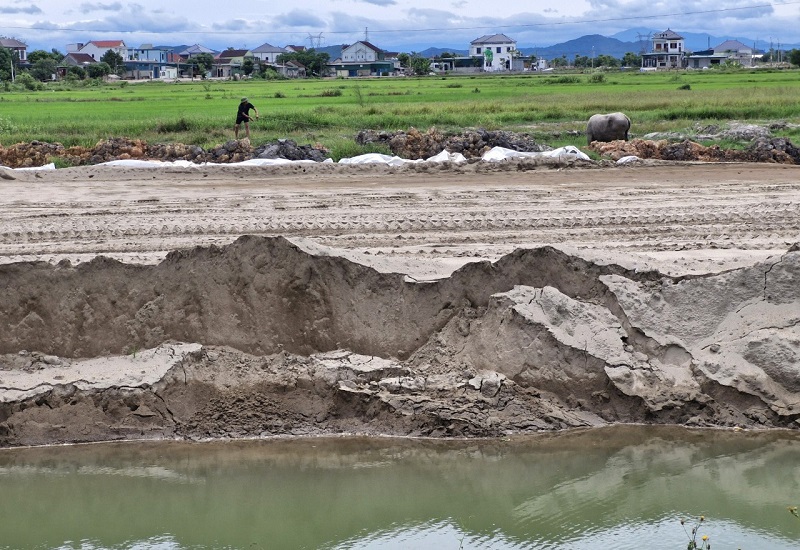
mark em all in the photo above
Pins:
pixel 243 116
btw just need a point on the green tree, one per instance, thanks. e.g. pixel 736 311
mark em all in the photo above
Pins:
pixel 247 66
pixel 44 69
pixel 98 70
pixel 419 65
pixel 38 55
pixel 78 73
pixel 114 60
pixel 793 56
pixel 315 63
pixel 404 59
pixel 582 61
pixel 201 64
pixel 604 60
pixel 6 61
pixel 631 59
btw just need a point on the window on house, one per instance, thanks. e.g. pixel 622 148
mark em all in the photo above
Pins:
pixel 477 50
pixel 499 49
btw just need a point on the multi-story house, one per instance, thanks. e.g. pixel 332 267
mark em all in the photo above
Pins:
pixel 362 59
pixel 267 53
pixel 498 51
pixel 15 46
pixel 668 52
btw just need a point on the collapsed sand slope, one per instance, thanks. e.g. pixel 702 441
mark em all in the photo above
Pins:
pixel 298 342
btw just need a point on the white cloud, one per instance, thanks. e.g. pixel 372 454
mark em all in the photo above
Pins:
pixel 88 7
pixel 31 10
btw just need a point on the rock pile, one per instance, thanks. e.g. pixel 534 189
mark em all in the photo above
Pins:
pixel 38 153
pixel 411 144
pixel 414 144
pixel 777 150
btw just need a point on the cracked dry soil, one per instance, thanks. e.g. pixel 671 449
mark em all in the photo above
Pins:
pixel 448 303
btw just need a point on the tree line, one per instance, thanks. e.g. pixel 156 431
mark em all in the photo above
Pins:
pixel 44 65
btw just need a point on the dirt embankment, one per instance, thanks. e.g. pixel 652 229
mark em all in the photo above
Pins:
pixel 287 339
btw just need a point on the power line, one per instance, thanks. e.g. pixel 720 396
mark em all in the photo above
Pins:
pixel 433 29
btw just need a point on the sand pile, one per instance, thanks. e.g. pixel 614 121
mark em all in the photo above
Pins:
pixel 292 339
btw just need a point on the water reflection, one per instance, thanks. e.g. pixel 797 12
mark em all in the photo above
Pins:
pixel 622 487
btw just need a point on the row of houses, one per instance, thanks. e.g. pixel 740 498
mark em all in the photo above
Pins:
pixel 669 52
pixel 168 62
pixel 488 53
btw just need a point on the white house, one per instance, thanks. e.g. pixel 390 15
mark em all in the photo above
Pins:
pixel 146 52
pixel 668 52
pixel 98 48
pixel 498 52
pixel 361 52
pixel 361 59
pixel 268 53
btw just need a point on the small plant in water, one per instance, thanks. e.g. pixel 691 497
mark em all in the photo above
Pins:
pixel 705 542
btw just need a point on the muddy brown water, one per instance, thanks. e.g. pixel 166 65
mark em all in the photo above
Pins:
pixel 620 487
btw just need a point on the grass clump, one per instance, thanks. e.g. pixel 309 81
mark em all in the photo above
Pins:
pixel 347 148
pixel 174 126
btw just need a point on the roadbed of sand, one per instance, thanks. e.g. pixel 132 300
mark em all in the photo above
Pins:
pixel 473 300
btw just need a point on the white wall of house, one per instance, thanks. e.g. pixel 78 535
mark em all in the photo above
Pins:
pixel 268 53
pixel 144 53
pixel 502 54
pixel 359 52
pixel 168 73
pixel 98 52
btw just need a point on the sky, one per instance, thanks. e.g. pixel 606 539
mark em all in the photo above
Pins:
pixel 392 25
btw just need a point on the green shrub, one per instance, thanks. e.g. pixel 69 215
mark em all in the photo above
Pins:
pixel 28 82
pixel 173 126
pixel 347 148
pixel 61 162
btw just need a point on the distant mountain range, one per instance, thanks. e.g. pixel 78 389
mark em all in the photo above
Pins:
pixel 637 40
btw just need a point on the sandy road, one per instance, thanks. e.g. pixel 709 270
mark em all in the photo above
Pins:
pixel 690 216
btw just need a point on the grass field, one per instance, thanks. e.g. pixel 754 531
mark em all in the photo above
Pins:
pixel 551 107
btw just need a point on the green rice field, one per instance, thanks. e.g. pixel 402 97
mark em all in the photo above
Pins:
pixel 551 107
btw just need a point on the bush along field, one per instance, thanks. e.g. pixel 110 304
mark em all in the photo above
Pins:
pixel 551 108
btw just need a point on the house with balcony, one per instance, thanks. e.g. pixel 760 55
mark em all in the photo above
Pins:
pixel 151 62
pixel 668 51
pixel 362 59
pixel 498 51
